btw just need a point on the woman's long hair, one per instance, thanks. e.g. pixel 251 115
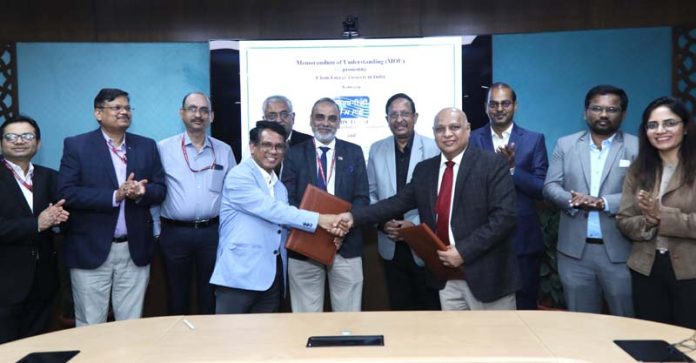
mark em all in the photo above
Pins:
pixel 648 163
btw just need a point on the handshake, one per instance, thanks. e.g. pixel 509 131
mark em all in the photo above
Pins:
pixel 337 224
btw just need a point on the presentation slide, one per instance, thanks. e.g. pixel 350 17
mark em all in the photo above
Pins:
pixel 359 74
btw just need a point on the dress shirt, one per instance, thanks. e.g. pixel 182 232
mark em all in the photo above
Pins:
pixel 192 196
pixel 120 169
pixel 330 171
pixel 270 178
pixel 501 141
pixel 597 160
pixel 402 160
pixel 457 161
pixel 18 172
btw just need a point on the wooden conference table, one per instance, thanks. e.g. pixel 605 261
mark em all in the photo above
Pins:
pixel 480 336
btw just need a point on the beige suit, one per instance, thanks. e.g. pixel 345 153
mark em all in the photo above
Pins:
pixel 677 223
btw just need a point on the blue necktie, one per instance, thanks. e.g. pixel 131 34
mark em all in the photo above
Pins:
pixel 321 181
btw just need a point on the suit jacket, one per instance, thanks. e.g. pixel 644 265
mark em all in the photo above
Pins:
pixel 677 220
pixel 531 163
pixel 253 229
pixel 298 137
pixel 483 214
pixel 570 169
pixel 381 174
pixel 26 254
pixel 87 181
pixel 350 183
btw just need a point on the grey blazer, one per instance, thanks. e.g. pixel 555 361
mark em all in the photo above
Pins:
pixel 381 174
pixel 569 169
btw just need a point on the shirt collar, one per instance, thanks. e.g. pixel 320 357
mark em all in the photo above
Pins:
pixel 270 178
pixel 457 159
pixel 111 142
pixel 605 143
pixel 331 145
pixel 187 140
pixel 505 133
pixel 17 169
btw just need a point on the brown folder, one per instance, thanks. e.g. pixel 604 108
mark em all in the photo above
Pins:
pixel 319 245
pixel 425 243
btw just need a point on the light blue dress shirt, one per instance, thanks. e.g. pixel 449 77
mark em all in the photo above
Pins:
pixel 597 160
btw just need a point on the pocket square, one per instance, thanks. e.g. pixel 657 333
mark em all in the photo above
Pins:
pixel 624 163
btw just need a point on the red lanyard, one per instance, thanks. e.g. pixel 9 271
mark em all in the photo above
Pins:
pixel 183 150
pixel 321 168
pixel 123 158
pixel 19 179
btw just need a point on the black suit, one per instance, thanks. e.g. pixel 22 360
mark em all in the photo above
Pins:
pixel 28 272
pixel 483 214
pixel 297 137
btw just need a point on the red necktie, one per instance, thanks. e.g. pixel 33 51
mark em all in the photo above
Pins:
pixel 442 204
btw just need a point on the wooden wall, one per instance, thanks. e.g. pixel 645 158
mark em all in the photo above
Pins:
pixel 201 20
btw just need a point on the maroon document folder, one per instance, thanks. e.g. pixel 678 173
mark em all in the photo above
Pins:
pixel 425 243
pixel 319 245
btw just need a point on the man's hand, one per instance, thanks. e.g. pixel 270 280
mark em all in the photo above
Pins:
pixel 451 257
pixel 586 202
pixel 136 188
pixel 648 204
pixel 509 152
pixel 393 229
pixel 53 215
pixel 329 223
pixel 344 220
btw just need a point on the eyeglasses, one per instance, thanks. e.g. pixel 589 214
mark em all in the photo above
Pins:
pixel 118 108
pixel 504 104
pixel 272 116
pixel 599 109
pixel 322 117
pixel 395 115
pixel 666 124
pixel 267 146
pixel 27 136
pixel 193 110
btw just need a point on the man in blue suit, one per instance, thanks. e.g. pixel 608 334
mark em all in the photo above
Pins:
pixel 525 152
pixel 251 261
pixel 109 179
pixel 338 167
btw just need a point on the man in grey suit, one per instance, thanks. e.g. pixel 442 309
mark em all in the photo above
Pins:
pixel 389 168
pixel 585 179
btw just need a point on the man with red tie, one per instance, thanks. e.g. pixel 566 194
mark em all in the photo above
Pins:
pixel 467 197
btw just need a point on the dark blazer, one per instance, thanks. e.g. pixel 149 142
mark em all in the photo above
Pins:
pixel 483 214
pixel 24 252
pixel 531 163
pixel 297 138
pixel 351 183
pixel 87 181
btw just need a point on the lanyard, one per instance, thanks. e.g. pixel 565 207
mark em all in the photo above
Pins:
pixel 19 179
pixel 321 168
pixel 183 150
pixel 123 158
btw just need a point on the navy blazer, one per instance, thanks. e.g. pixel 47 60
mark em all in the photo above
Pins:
pixel 300 169
pixel 531 163
pixel 26 254
pixel 483 214
pixel 87 181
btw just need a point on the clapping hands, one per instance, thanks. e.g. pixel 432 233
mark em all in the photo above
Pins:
pixel 53 215
pixel 131 189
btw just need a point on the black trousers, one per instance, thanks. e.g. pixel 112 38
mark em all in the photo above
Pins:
pixel 406 282
pixel 661 297
pixel 230 300
pixel 183 249
pixel 528 295
pixel 27 318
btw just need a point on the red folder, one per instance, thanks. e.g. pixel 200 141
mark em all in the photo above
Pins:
pixel 319 245
pixel 425 243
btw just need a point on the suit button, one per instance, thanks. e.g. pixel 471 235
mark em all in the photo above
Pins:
pixel 275 252
pixel 279 231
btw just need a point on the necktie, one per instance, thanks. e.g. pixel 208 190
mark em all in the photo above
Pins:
pixel 322 173
pixel 442 204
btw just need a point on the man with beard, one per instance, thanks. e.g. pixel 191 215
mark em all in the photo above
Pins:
pixel 339 168
pixel 195 166
pixel 525 152
pixel 585 180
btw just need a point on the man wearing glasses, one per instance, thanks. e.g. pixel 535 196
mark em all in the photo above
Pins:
pixel 28 272
pixel 585 180
pixel 389 169
pixel 525 152
pixel 195 165
pixel 278 109
pixel 109 179
pixel 338 167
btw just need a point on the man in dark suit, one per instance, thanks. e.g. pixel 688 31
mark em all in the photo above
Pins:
pixel 338 167
pixel 278 109
pixel 471 207
pixel 28 272
pixel 109 179
pixel 525 152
